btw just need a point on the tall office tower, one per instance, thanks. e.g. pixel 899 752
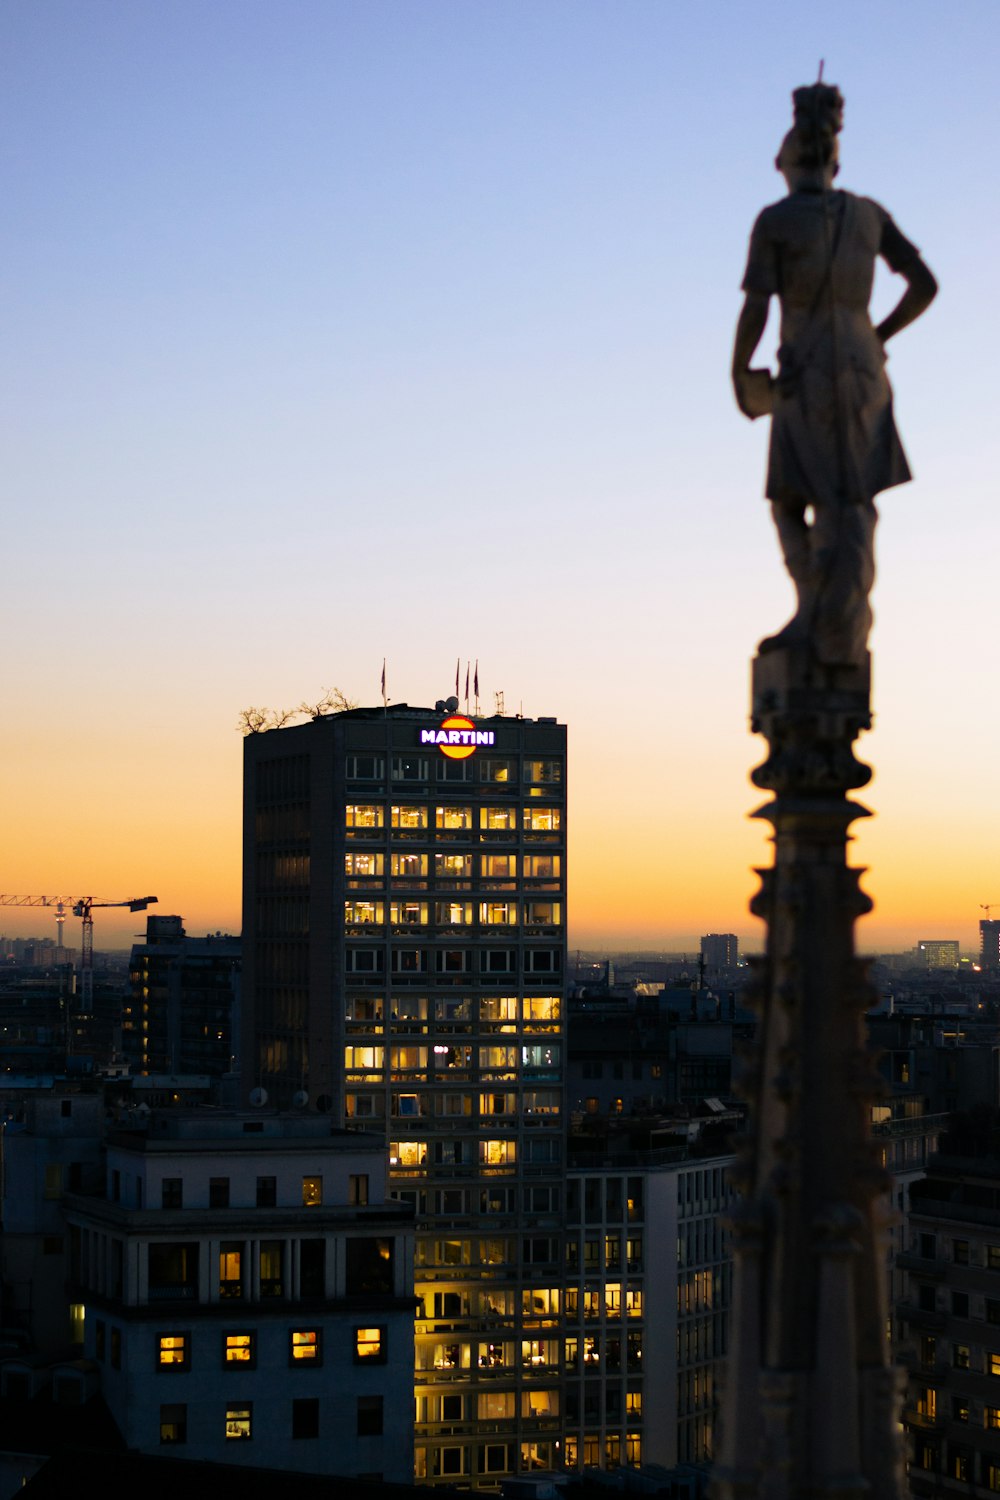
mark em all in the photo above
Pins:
pixel 404 946
pixel 720 950
pixel 989 944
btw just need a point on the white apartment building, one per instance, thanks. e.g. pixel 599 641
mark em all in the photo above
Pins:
pixel 246 1293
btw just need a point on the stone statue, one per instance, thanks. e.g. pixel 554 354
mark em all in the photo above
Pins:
pixel 834 444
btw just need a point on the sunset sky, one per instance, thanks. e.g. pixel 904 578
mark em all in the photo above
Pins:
pixel 337 330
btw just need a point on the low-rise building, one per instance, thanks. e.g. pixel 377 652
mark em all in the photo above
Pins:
pixel 245 1289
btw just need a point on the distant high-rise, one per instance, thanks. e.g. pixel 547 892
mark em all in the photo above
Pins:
pixel 939 953
pixel 720 950
pixel 404 945
pixel 179 1016
pixel 989 944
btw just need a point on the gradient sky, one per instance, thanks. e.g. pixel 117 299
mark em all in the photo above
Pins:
pixel 342 329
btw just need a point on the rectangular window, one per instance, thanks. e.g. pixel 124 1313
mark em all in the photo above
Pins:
pixel 116 1348
pixel 409 768
pixel 959 1304
pixel 370 1346
pixel 172 1192
pixel 362 867
pixel 542 819
pixel 408 866
pixel 369 1416
pixel 239 1422
pixel 267 1192
pixel 498 819
pixel 960 1252
pixel 408 913
pixel 99 1339
pixel 991 1416
pixel 959 1409
pixel 218 1192
pixel 173 1351
pixel 238 1349
pixel 494 770
pixel 364 913
pixel 545 772
pixel 449 867
pixel 312 1192
pixel 173 1423
pixel 357 1188
pixel 410 818
pixel 305 1347
pixel 365 815
pixel 364 767
pixel 271 1268
pixel 305 1417
pixel 453 818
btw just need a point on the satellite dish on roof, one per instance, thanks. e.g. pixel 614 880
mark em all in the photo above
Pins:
pixel 300 1099
pixel 258 1097
pixel 452 704
pixel 324 1104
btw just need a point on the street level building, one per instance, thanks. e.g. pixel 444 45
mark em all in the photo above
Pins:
pixel 404 959
pixel 244 1292
pixel 950 1318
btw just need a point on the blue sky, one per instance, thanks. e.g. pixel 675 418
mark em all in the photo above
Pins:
pixel 348 330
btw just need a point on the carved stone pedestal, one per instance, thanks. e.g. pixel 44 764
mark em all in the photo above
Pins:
pixel 811 1398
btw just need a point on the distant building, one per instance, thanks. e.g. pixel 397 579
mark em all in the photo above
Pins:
pixel 245 1292
pixel 182 1007
pixel 720 950
pixel 989 944
pixel 938 953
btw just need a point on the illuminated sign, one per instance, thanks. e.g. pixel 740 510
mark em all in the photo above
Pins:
pixel 457 737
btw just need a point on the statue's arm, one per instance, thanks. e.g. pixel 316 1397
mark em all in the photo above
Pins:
pixel 921 289
pixel 749 332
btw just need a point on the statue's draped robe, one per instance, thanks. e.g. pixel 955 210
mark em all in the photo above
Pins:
pixel 816 253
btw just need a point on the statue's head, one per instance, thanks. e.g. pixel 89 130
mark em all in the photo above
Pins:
pixel 809 155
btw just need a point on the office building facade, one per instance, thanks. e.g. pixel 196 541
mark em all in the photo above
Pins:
pixel 404 958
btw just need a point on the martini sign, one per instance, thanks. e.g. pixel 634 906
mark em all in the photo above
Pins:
pixel 457 737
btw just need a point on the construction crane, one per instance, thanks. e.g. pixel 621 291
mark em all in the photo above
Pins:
pixel 59 902
pixel 84 908
pixel 987 907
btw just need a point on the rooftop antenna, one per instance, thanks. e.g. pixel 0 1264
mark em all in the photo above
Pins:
pixel 819 75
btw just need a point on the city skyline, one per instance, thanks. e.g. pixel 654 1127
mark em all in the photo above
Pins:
pixel 355 333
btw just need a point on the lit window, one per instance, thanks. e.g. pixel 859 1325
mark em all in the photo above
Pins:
pixel 173 1423
pixel 238 1349
pixel 369 1345
pixel 312 1192
pixel 498 819
pixel 304 1347
pixel 77 1315
pixel 361 866
pixel 230 1269
pixel 409 817
pixel 994 1364
pixel 357 1186
pixel 453 817
pixel 364 913
pixel 173 1351
pixel 542 819
pixel 365 815
pixel 498 913
pixel 992 1416
pixel 239 1422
